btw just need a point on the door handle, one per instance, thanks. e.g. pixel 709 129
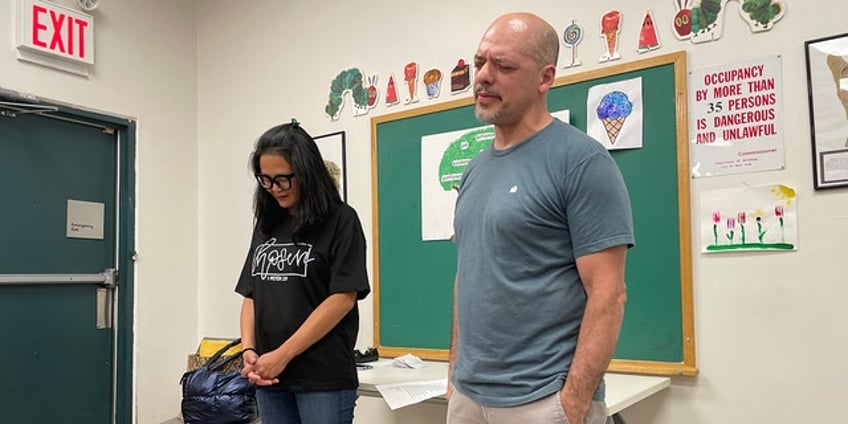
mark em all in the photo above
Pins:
pixel 108 281
pixel 108 278
pixel 106 298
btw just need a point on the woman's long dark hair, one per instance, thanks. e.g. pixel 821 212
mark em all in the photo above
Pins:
pixel 318 192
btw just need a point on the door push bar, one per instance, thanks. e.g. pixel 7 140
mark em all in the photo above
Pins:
pixel 108 278
pixel 108 281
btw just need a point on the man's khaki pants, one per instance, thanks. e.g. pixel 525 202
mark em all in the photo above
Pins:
pixel 548 410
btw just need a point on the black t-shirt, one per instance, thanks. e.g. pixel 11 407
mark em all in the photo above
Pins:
pixel 287 279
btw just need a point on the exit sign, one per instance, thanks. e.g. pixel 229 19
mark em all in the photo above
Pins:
pixel 48 32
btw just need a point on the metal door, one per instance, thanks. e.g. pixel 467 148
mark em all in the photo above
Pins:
pixel 59 188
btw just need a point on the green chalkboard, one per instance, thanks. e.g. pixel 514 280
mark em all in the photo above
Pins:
pixel 414 278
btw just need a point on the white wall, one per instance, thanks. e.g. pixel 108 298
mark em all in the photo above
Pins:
pixel 146 69
pixel 770 342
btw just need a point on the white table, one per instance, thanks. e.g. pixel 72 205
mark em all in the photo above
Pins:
pixel 623 390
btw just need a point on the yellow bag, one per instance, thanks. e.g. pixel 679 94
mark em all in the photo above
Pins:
pixel 210 345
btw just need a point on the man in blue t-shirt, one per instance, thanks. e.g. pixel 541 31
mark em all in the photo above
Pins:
pixel 542 226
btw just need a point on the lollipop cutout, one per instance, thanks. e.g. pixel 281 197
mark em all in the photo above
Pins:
pixel 571 37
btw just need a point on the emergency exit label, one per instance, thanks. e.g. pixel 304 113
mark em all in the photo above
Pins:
pixel 55 31
pixel 85 219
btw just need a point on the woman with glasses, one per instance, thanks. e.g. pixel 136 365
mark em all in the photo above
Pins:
pixel 303 274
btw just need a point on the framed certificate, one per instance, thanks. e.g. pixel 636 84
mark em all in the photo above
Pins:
pixel 827 87
pixel 332 147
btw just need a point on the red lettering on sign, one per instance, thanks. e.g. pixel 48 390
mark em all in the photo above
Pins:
pixel 58 31
pixel 70 35
pixel 36 25
pixel 81 25
pixel 58 21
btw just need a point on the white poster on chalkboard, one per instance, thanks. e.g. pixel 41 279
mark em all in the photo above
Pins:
pixel 735 118
pixel 614 114
pixel 444 157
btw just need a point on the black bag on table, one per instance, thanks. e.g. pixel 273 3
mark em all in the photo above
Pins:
pixel 214 396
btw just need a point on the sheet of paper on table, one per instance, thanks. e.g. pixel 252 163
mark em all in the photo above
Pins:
pixel 408 361
pixel 398 395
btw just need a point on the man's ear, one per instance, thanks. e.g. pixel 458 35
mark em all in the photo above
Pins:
pixel 548 75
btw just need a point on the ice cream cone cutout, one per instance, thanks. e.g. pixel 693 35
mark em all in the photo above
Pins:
pixel 610 27
pixel 613 111
pixel 410 75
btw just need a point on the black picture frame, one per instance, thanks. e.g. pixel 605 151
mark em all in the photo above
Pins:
pixel 827 92
pixel 332 147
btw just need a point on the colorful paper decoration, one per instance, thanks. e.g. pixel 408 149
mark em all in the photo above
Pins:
pixel 571 37
pixel 682 23
pixel 613 110
pixel 373 94
pixel 460 77
pixel 432 83
pixel 347 81
pixel 391 92
pixel 702 20
pixel 410 75
pixel 648 39
pixel 610 27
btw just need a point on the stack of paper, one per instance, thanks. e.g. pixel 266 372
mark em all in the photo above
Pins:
pixel 408 361
pixel 399 395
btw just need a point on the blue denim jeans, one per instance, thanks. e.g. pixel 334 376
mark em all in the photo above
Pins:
pixel 331 407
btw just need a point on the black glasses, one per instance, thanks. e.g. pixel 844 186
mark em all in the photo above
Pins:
pixel 283 181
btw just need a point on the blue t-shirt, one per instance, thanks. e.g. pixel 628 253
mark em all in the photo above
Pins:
pixel 523 216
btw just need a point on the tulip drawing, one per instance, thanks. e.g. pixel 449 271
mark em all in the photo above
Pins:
pixel 716 220
pixel 759 217
pixel 731 226
pixel 778 212
pixel 741 218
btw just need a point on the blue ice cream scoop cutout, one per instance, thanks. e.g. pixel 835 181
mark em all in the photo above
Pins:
pixel 614 104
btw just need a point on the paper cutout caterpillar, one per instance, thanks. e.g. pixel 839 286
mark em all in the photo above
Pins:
pixel 701 20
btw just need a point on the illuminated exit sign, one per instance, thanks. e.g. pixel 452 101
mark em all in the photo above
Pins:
pixel 55 36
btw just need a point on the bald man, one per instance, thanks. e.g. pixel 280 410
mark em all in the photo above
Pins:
pixel 542 226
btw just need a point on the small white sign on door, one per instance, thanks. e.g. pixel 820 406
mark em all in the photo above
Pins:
pixel 85 219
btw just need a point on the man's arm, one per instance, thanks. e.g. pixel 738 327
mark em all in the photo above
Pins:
pixel 602 274
pixel 454 341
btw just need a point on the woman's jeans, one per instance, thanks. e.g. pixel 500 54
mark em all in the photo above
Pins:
pixel 330 407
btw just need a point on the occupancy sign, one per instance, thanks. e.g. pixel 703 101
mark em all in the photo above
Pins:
pixel 735 118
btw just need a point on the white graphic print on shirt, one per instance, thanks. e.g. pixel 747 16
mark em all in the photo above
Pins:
pixel 277 262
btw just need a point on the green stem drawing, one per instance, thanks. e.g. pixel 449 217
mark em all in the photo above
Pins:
pixel 715 233
pixel 729 236
pixel 782 231
pixel 742 232
pixel 760 232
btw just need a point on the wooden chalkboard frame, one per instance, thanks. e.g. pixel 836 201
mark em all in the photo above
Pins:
pixel 677 62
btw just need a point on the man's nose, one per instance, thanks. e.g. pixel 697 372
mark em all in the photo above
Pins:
pixel 482 74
